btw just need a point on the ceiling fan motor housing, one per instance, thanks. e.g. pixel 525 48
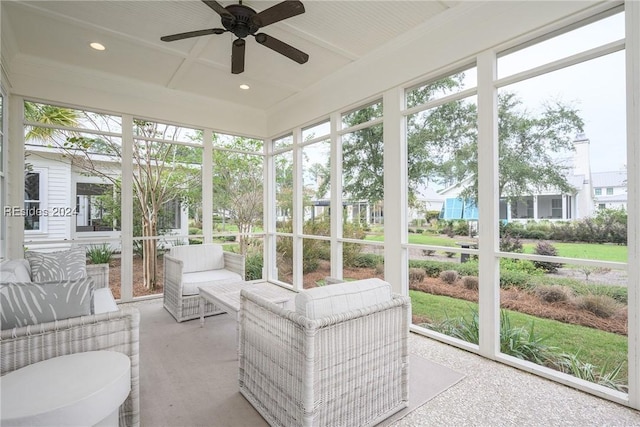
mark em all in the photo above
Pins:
pixel 243 24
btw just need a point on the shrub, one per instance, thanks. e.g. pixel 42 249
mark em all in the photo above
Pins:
pixel 520 265
pixel 515 279
pixel 449 276
pixel 553 293
pixel 433 268
pixel 100 254
pixel 449 254
pixel 469 268
pixel 365 261
pixel 253 266
pixel 416 275
pixel 546 248
pixel 470 282
pixel 508 243
pixel 600 305
pixel 428 252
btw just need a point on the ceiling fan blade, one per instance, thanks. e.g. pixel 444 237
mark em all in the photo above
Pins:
pixel 278 12
pixel 219 9
pixel 281 47
pixel 190 34
pixel 237 56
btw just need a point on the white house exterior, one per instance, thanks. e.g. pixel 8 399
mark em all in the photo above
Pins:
pixel 60 203
pixel 592 191
pixel 610 190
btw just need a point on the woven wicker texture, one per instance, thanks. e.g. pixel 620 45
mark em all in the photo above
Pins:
pixel 115 331
pixel 344 370
pixel 188 307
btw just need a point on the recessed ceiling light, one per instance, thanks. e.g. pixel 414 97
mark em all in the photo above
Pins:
pixel 97 46
pixel 244 86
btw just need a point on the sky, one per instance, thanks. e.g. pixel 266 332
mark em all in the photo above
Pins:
pixel 596 87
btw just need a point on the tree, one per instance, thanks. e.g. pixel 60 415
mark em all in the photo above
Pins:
pixel 163 171
pixel 443 144
pixel 238 186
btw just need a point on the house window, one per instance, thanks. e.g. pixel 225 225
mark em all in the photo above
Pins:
pixel 32 202
pixel 556 208
pixel 92 201
pixel 610 191
pixel 598 191
pixel 169 217
pixel 602 206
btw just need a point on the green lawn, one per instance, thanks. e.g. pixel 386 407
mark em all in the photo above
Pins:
pixel 602 252
pixel 594 346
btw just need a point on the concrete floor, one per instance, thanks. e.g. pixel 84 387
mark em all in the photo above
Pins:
pixel 494 394
pixel 490 394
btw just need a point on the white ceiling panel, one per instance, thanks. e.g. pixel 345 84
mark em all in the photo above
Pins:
pixel 332 33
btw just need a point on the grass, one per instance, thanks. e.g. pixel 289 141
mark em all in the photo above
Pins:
pixel 593 346
pixel 601 252
pixel 595 251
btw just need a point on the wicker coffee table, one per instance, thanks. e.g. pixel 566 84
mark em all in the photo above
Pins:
pixel 226 295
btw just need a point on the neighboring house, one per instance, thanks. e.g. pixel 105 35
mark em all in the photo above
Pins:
pixel 610 190
pixel 592 191
pixel 63 203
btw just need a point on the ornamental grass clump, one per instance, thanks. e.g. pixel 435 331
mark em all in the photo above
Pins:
pixel 601 305
pixel 100 254
pixel 553 293
pixel 470 282
pixel 416 275
pixel 449 276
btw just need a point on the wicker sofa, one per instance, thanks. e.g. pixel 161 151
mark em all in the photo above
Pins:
pixel 188 267
pixel 335 361
pixel 27 339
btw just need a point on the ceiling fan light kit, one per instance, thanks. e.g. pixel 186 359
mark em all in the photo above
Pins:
pixel 243 21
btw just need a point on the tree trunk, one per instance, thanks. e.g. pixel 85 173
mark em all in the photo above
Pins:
pixel 149 254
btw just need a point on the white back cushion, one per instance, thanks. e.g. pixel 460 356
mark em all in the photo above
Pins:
pixel 340 298
pixel 199 257
pixel 15 270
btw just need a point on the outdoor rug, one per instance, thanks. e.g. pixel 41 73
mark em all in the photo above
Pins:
pixel 189 374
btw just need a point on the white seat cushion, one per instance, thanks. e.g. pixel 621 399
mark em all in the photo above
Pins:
pixel 340 298
pixel 191 281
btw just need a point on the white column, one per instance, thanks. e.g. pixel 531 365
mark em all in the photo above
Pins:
pixel 207 185
pixel 488 207
pixel 126 267
pixel 395 192
pixel 269 269
pixel 336 197
pixel 632 25
pixel 14 175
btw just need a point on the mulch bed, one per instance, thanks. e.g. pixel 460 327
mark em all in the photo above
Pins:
pixel 511 299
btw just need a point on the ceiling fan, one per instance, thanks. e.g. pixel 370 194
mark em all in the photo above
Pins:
pixel 243 21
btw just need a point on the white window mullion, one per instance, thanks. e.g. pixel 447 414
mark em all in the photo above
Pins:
pixel 488 206
pixel 270 269
pixel 297 211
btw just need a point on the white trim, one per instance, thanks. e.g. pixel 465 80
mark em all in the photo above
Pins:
pixel 632 25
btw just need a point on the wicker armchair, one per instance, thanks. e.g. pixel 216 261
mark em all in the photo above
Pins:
pixel 188 267
pixel 347 369
pixel 115 331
